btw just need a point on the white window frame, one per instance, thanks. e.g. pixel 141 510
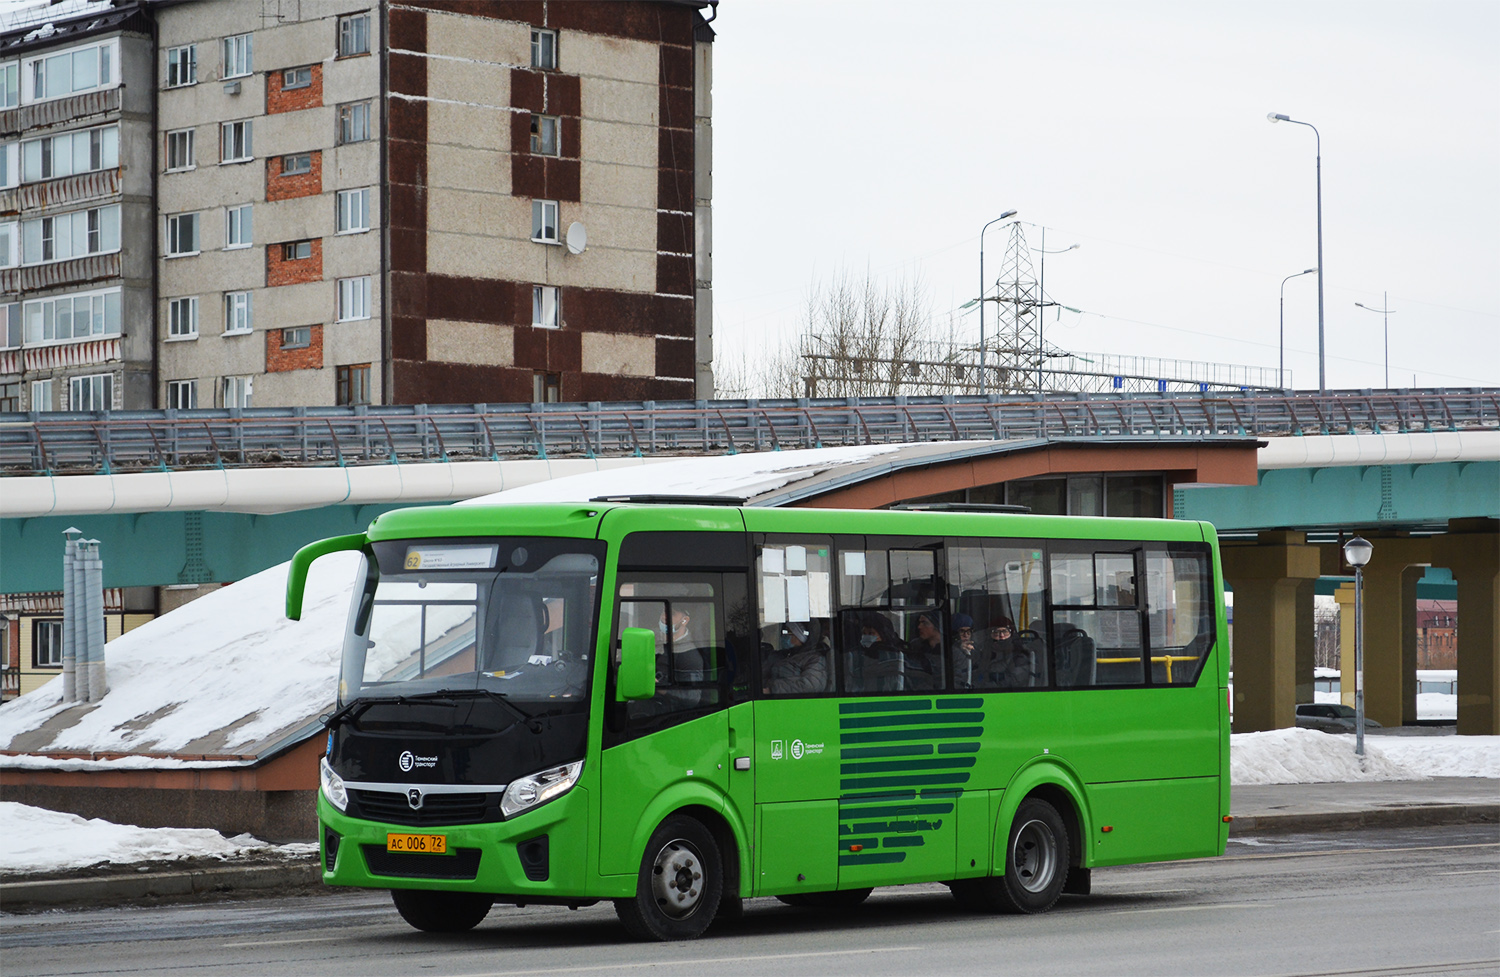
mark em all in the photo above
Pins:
pixel 51 157
pixel 184 139
pixel 182 319
pixel 297 342
pixel 239 56
pixel 236 391
pixel 353 298
pixel 10 325
pixel 354 35
pixel 352 215
pixel 37 69
pixel 353 121
pixel 103 383
pixel 238 314
pixel 42 391
pixel 10 84
pixel 236 142
pixel 239 227
pixel 539 126
pixel 182 66
pixel 175 224
pixel 295 75
pixel 540 209
pixel 182 390
pixel 39 317
pixel 10 244
pixel 57 238
pixel 543 48
pixel 10 165
pixel 299 171
pixel 546 306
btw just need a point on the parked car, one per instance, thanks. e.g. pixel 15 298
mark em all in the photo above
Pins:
pixel 1330 717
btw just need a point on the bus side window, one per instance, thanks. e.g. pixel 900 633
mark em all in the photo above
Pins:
pixel 685 616
pixel 794 620
pixel 997 599
pixel 1180 609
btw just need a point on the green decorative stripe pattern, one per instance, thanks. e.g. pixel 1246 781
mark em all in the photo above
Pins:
pixel 902 765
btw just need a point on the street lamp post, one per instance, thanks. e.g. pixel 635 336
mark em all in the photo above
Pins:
pixel 1385 312
pixel 1041 295
pixel 1357 553
pixel 1277 117
pixel 983 387
pixel 1281 342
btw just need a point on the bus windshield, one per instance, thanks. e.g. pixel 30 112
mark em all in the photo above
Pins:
pixel 513 615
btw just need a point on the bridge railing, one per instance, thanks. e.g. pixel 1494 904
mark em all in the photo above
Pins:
pixel 119 441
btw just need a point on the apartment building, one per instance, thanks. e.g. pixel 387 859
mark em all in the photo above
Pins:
pixel 76 214
pixel 344 203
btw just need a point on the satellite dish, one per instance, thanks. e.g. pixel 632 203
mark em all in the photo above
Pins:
pixel 578 238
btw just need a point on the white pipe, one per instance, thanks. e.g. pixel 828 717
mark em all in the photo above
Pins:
pixel 1337 450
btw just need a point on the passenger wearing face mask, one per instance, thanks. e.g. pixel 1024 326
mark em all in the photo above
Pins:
pixel 688 663
pixel 801 666
pixel 877 664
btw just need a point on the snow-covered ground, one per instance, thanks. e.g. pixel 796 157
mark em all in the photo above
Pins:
pixel 1430 705
pixel 1307 756
pixel 37 840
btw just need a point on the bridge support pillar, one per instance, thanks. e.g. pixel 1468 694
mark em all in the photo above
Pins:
pixel 1471 549
pixel 1267 577
pixel 1391 628
pixel 1345 597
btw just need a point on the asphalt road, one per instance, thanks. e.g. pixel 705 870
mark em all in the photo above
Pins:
pixel 1409 901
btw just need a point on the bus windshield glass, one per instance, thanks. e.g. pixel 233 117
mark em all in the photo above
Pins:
pixel 515 615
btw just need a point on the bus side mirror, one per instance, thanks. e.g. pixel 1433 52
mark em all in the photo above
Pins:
pixel 636 678
pixel 296 576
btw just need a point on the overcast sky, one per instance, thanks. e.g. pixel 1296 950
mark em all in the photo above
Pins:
pixel 882 135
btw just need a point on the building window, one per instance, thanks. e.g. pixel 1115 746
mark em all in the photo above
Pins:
pixel 10 85
pixel 237 313
pixel 10 403
pixel 69 72
pixel 544 135
pixel 182 66
pixel 296 250
pixel 182 318
pixel 46 644
pixel 354 35
pixel 353 385
pixel 296 164
pixel 238 227
pixel 180 150
pixel 354 298
pixel 10 325
pixel 546 388
pixel 42 396
pixel 10 164
pixel 354 122
pixel 296 337
pixel 91 393
pixel 544 221
pixel 69 153
pixel 543 48
pixel 182 235
pixel 237 391
pixel 10 252
pixel 182 394
pixel 354 210
pixel 235 147
pixel 296 78
pixel 544 306
pixel 65 317
pixel 74 235
pixel 237 59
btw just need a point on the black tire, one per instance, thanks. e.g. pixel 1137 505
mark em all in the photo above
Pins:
pixel 441 912
pixel 679 886
pixel 838 899
pixel 1036 865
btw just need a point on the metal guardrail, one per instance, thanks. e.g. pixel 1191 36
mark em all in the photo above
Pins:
pixel 120 441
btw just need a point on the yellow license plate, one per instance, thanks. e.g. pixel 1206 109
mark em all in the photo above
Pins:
pixel 422 844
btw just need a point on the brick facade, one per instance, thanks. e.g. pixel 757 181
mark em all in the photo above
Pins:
pixel 308 184
pixel 293 99
pixel 298 271
pixel 309 357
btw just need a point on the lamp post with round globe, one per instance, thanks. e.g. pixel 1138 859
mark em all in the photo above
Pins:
pixel 1357 553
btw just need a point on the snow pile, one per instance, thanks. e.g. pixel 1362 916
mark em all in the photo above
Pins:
pixel 227 673
pixel 748 475
pixel 37 840
pixel 1307 756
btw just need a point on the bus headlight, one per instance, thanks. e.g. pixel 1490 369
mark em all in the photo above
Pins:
pixel 527 792
pixel 333 785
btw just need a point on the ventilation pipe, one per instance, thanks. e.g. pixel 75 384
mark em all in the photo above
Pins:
pixel 70 618
pixel 91 568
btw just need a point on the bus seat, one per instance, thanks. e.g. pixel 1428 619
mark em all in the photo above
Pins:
pixel 1075 659
pixel 516 632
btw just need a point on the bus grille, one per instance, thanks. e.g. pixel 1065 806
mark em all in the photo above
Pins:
pixel 392 808
pixel 462 864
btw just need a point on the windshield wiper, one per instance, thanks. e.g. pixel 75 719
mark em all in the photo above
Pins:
pixel 531 721
pixel 353 710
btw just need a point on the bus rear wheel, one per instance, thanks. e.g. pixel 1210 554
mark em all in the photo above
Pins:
pixel 1036 865
pixel 839 899
pixel 441 912
pixel 680 884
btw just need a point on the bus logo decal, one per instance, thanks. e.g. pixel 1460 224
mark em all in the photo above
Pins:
pixel 796 749
pixel 406 761
pixel 414 799
pixel 777 749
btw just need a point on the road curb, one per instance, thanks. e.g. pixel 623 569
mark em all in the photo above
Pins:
pixel 1413 816
pixel 108 890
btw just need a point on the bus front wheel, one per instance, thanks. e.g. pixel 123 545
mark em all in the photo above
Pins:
pixel 441 912
pixel 680 884
pixel 1036 865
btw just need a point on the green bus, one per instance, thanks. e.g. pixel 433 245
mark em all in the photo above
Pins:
pixel 677 705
